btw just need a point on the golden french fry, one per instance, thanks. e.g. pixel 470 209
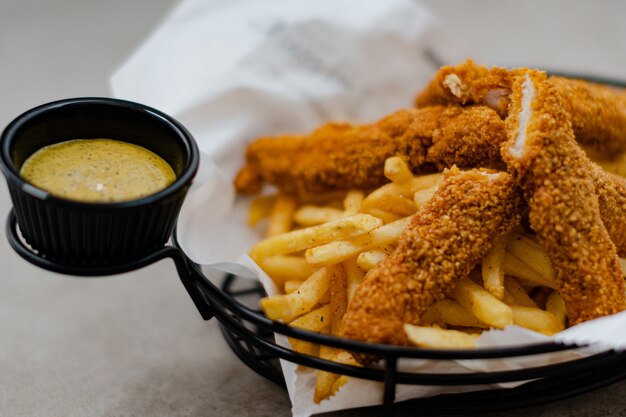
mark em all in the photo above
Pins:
pixel 309 237
pixel 518 295
pixel 282 216
pixel 453 314
pixel 482 304
pixel 260 208
pixel 556 306
pixel 394 204
pixel 368 259
pixel 292 286
pixel 325 380
pixel 317 321
pixel 531 253
pixel 314 215
pixel 493 270
pixel 386 196
pixel 422 197
pixel 284 267
pixel 385 216
pixel 340 250
pixel 325 298
pixel 514 266
pixel 327 384
pixel 536 319
pixel 288 307
pixel 343 380
pixel 338 289
pixel 352 202
pixel 354 276
pixel 435 337
pixel 397 171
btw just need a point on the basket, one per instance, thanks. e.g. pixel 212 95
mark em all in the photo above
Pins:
pixel 249 334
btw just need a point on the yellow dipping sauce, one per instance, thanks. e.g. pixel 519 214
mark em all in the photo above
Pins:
pixel 97 170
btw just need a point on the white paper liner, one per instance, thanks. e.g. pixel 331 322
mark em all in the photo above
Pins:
pixel 234 70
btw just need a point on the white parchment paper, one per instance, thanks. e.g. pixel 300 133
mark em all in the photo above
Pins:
pixel 233 70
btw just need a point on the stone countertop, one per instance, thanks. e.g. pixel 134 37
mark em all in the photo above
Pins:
pixel 134 345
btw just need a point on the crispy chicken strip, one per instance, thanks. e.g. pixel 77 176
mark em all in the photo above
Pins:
pixel 598 112
pixel 557 179
pixel 445 240
pixel 342 156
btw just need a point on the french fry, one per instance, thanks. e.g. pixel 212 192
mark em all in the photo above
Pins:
pixel 434 337
pixel 283 267
pixel 288 307
pixel 394 204
pixel 368 259
pixel 493 270
pixel 260 208
pixel 536 319
pixel 482 304
pixel 338 304
pixel 354 276
pixel 422 197
pixel 340 250
pixel 399 197
pixel 385 216
pixel 397 171
pixel 556 306
pixel 325 298
pixel 282 216
pixel 338 289
pixel 327 383
pixel 314 215
pixel 306 238
pixel 533 254
pixel 317 321
pixel 352 202
pixel 514 266
pixel 517 293
pixel 292 286
pixel 453 314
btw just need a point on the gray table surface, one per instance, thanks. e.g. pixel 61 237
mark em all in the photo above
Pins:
pixel 133 345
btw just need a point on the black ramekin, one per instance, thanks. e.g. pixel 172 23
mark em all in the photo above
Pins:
pixel 92 234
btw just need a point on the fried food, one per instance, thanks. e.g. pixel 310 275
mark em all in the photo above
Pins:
pixel 342 156
pixel 443 242
pixel 611 192
pixel 598 112
pixel 557 180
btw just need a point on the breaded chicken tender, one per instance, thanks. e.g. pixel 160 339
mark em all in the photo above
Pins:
pixel 445 240
pixel 557 180
pixel 611 192
pixel 342 156
pixel 598 112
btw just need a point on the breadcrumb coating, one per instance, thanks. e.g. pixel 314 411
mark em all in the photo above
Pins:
pixel 557 179
pixel 445 240
pixel 598 112
pixel 342 156
pixel 611 192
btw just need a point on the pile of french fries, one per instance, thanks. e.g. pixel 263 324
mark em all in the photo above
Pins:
pixel 319 248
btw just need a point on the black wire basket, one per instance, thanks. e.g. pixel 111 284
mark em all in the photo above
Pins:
pixel 250 335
